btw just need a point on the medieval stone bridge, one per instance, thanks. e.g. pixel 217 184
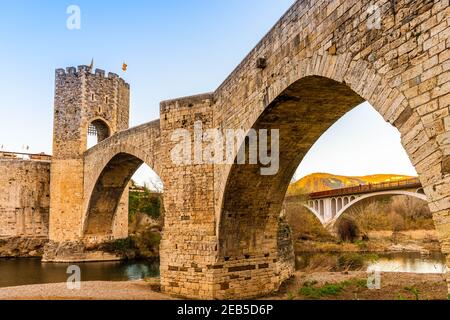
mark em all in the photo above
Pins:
pixel 329 206
pixel 221 237
pixel 108 168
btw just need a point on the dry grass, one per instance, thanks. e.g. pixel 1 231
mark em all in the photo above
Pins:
pixel 352 285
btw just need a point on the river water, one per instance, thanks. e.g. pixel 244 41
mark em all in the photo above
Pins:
pixel 18 272
pixel 408 262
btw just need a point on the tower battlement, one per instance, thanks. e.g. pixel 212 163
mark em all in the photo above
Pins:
pixel 86 103
pixel 85 70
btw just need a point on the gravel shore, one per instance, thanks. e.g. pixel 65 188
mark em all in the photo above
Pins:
pixel 92 290
pixel 394 286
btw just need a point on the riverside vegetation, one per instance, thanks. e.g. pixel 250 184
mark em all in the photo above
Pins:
pixel 334 266
pixel 145 225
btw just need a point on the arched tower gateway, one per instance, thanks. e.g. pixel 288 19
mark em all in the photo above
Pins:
pixel 86 104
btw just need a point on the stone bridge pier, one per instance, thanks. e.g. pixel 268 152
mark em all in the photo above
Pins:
pixel 223 236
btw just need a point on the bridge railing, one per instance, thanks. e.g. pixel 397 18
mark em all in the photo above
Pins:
pixel 25 156
pixel 371 187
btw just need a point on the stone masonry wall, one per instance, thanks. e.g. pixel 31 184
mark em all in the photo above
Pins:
pixel 24 198
pixel 188 248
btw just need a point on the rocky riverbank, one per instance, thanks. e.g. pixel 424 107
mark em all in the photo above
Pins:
pixel 20 247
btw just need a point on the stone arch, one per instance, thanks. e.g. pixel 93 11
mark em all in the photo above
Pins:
pixel 105 194
pixel 417 195
pixel 302 105
pixel 94 163
pixel 108 167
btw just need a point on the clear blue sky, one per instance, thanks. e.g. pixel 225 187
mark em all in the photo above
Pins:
pixel 173 48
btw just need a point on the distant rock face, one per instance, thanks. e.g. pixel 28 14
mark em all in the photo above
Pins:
pixel 20 247
pixel 317 182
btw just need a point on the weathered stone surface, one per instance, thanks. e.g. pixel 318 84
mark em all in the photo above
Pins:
pixel 75 251
pixel 24 198
pixel 22 247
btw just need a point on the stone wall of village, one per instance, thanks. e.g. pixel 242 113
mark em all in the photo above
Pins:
pixel 24 198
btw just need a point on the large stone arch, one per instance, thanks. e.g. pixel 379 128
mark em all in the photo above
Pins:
pixel 108 168
pixel 302 112
pixel 321 59
pixel 107 194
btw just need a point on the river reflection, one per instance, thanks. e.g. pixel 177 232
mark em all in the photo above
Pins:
pixel 17 272
pixel 408 262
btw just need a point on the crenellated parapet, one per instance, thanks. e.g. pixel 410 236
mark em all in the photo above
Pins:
pixel 84 70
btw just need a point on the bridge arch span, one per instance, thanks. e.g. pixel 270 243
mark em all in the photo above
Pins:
pixel 420 196
pixel 303 111
pixel 108 169
pixel 311 102
pixel 315 213
pixel 330 224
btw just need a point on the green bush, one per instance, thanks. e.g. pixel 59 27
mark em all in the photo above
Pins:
pixel 290 296
pixel 144 202
pixel 144 244
pixel 121 244
pixel 415 291
pixel 310 291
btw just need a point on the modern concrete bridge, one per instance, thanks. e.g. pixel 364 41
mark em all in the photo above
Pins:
pixel 329 206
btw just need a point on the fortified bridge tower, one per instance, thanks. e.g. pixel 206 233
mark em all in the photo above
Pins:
pixel 85 104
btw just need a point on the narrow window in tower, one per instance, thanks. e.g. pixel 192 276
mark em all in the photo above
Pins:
pixel 106 99
pixel 92 97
